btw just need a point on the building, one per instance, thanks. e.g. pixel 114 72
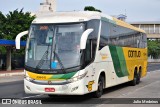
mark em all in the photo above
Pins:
pixel 48 6
pixel 152 28
pixel 7 60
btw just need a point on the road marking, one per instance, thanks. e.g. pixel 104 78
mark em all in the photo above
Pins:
pixel 129 93
pixel 31 96
pixel 153 71
pixel 123 95
pixel 139 89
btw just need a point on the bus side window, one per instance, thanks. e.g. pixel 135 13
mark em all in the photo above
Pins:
pixel 93 48
pixel 103 42
pixel 145 40
pixel 105 32
pixel 89 54
pixel 90 50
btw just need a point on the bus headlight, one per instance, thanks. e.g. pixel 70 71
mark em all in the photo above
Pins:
pixel 79 77
pixel 28 78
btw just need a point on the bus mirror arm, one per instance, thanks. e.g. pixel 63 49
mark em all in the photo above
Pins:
pixel 18 38
pixel 84 38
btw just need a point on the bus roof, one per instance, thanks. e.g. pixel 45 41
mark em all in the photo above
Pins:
pixel 80 16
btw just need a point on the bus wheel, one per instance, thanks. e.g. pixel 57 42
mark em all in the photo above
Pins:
pixel 99 91
pixel 134 81
pixel 138 78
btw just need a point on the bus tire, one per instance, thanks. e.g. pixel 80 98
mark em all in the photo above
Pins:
pixel 100 87
pixel 138 78
pixel 134 81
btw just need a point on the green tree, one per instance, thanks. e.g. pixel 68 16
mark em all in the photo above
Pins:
pixel 154 48
pixel 12 24
pixel 16 22
pixel 91 8
pixel 2 20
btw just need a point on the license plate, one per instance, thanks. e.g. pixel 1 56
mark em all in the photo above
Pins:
pixel 49 89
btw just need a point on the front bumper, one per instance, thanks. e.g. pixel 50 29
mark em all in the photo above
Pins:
pixel 75 88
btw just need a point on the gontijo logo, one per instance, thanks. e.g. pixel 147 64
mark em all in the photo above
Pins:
pixel 134 54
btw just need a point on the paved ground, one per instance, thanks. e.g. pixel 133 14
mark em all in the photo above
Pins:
pixel 148 88
pixel 11 79
pixel 11 73
pixel 153 66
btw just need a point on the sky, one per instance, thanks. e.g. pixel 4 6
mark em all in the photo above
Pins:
pixel 136 10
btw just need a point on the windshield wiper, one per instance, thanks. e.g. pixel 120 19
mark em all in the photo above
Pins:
pixel 40 63
pixel 55 54
pixel 59 60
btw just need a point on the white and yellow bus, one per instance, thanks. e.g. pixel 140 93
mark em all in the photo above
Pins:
pixel 75 53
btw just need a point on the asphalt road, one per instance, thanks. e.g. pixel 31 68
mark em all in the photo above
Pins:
pixel 16 90
pixel 153 66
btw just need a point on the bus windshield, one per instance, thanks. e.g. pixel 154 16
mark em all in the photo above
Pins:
pixel 54 46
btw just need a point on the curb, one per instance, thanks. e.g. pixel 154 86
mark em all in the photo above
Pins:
pixel 12 74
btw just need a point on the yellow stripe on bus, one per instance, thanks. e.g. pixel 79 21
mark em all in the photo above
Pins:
pixel 39 76
pixel 124 24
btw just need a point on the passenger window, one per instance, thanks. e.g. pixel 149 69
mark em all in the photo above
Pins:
pixel 90 50
pixel 104 37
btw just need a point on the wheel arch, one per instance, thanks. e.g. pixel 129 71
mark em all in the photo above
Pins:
pixel 101 73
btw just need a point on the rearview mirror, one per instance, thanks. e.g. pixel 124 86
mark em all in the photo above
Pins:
pixel 18 38
pixel 84 38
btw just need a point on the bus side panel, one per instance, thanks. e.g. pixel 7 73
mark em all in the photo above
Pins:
pixel 119 64
pixel 111 61
pixel 135 57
